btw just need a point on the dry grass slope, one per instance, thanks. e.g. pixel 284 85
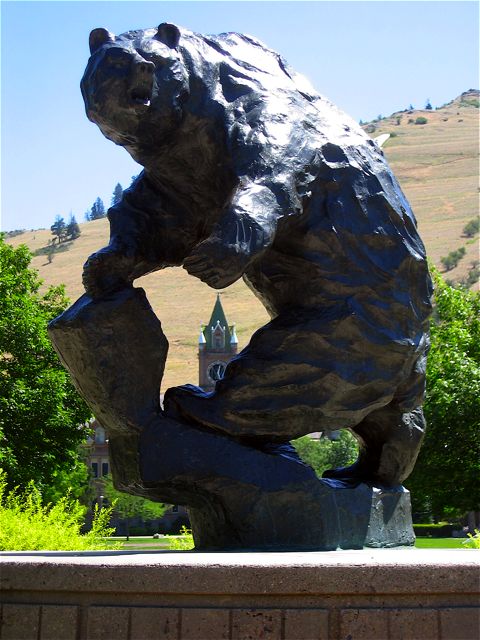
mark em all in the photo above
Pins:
pixel 436 165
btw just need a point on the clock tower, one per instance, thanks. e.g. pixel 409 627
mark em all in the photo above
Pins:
pixel 217 344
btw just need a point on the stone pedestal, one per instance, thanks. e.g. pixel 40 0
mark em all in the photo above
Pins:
pixel 376 594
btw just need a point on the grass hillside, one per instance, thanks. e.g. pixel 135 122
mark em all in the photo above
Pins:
pixel 436 165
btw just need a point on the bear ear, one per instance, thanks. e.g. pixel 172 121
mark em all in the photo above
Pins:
pixel 169 34
pixel 99 37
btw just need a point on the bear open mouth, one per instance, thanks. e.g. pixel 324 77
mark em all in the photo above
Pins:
pixel 141 96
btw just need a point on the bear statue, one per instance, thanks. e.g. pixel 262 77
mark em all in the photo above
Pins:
pixel 249 173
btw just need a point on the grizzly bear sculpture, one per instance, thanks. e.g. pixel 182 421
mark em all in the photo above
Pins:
pixel 250 173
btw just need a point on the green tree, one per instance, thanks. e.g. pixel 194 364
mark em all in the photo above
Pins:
pixel 326 454
pixel 472 227
pixel 127 506
pixel 472 276
pixel 41 415
pixel 445 478
pixel 50 253
pixel 117 194
pixel 73 228
pixel 450 262
pixel 59 228
pixel 98 210
pixel 428 105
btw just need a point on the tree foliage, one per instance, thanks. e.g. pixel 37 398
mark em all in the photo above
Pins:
pixel 59 228
pixel 450 262
pixel 117 194
pixel 472 277
pixel 97 210
pixel 472 227
pixel 73 228
pixel 41 414
pixel 62 231
pixel 326 454
pixel 445 478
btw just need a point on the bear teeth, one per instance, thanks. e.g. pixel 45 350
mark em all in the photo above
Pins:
pixel 141 97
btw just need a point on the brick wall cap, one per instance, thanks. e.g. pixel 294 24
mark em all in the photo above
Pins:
pixel 368 571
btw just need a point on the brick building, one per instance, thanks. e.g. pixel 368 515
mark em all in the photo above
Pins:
pixel 217 345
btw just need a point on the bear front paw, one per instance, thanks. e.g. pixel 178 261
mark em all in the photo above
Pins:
pixel 104 272
pixel 217 265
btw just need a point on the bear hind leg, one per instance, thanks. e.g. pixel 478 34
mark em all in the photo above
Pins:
pixel 390 440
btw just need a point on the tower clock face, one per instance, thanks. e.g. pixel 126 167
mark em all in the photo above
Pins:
pixel 216 370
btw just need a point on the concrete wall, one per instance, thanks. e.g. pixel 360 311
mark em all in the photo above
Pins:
pixel 349 595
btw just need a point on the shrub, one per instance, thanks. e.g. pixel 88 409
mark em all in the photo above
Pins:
pixel 471 278
pixel 473 540
pixel 450 262
pixel 473 102
pixel 421 120
pixel 183 542
pixel 15 232
pixel 27 525
pixel 472 227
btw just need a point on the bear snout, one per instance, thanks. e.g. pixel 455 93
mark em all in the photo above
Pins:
pixel 145 68
pixel 142 83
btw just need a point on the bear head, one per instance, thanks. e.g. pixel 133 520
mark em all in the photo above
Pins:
pixel 134 84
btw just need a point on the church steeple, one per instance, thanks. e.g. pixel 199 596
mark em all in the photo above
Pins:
pixel 217 345
pixel 217 332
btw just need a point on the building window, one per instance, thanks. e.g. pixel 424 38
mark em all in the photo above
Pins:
pixel 175 508
pixel 100 435
pixel 95 469
pixel 104 468
pixel 218 337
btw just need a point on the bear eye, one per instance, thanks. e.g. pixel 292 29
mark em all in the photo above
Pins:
pixel 118 58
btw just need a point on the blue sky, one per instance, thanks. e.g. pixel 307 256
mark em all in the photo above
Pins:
pixel 369 58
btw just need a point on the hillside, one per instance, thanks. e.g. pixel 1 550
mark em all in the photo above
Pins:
pixel 436 165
